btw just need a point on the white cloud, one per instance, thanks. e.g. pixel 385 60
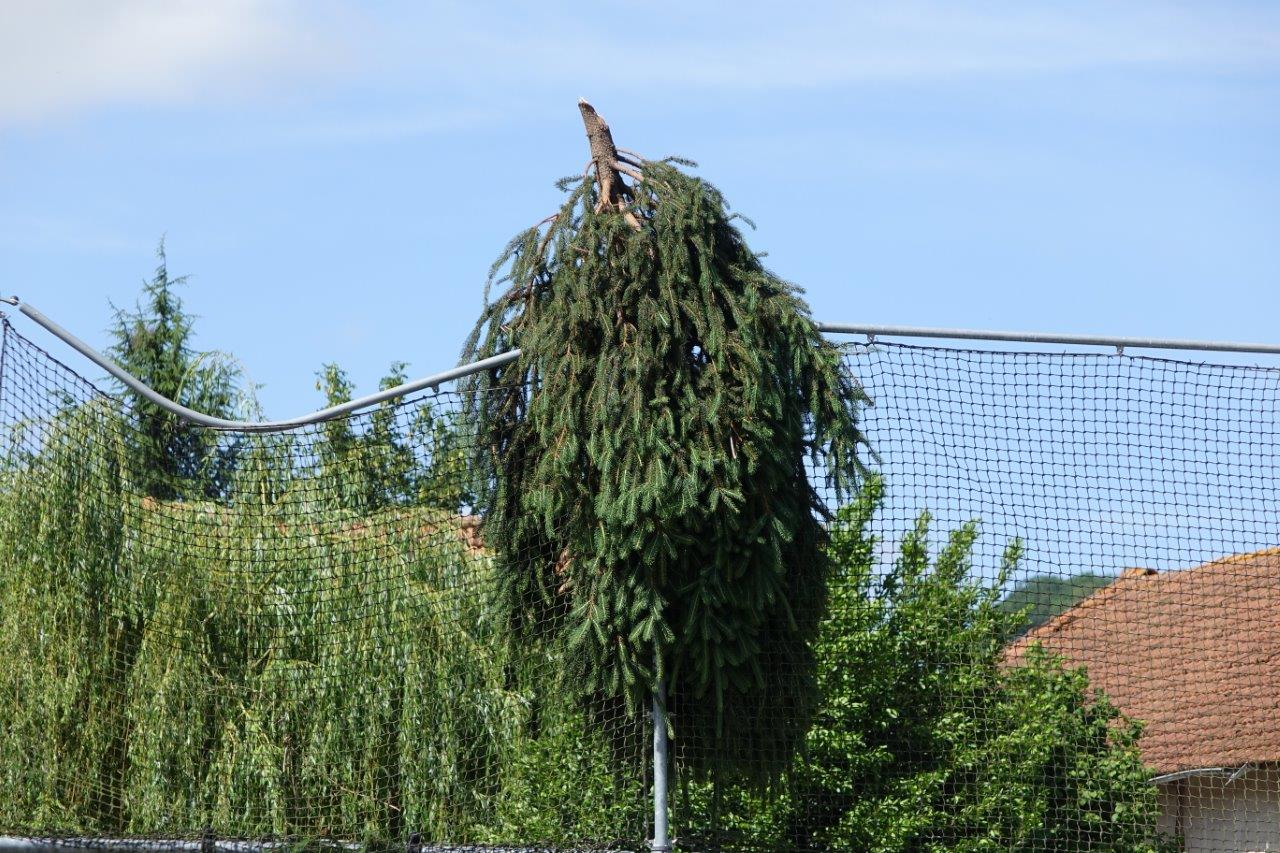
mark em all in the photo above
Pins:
pixel 467 61
pixel 62 56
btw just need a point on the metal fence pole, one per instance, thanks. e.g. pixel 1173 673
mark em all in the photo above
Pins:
pixel 661 751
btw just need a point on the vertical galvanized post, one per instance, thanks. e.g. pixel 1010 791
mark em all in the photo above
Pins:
pixel 661 751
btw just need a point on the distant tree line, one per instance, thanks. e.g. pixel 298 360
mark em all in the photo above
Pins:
pixel 1041 597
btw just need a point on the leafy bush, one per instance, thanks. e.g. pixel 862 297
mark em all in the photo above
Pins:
pixel 925 739
pixel 269 665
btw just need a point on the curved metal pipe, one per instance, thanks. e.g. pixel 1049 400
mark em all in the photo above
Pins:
pixel 1120 343
pixel 201 419
pixel 872 332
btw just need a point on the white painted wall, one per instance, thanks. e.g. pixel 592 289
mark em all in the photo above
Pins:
pixel 1216 817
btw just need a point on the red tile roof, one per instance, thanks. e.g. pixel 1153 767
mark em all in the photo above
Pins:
pixel 1194 653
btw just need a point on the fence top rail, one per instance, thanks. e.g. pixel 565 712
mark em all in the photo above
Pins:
pixel 201 419
pixel 436 379
pixel 1119 343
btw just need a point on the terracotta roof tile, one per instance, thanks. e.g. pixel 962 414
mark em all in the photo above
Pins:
pixel 1194 653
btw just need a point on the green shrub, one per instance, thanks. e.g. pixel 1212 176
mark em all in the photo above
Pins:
pixel 927 740
pixel 924 739
pixel 268 665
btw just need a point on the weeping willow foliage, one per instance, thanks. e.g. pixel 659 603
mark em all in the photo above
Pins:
pixel 646 457
pixel 275 664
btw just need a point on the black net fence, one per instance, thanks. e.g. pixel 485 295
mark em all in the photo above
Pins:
pixel 286 637
pixel 1053 625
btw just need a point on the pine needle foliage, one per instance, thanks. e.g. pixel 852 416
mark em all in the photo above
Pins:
pixel 154 343
pixel 647 460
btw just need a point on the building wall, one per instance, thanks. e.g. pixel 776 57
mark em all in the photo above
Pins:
pixel 1214 816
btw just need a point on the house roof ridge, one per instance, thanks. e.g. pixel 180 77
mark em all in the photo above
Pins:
pixel 1193 652
pixel 1234 559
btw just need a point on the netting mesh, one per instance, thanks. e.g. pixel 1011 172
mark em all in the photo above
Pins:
pixel 1053 628
pixel 298 643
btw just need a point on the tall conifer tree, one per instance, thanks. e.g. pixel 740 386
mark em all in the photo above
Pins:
pixel 153 342
pixel 649 458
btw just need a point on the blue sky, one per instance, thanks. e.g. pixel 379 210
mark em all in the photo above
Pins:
pixel 337 177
